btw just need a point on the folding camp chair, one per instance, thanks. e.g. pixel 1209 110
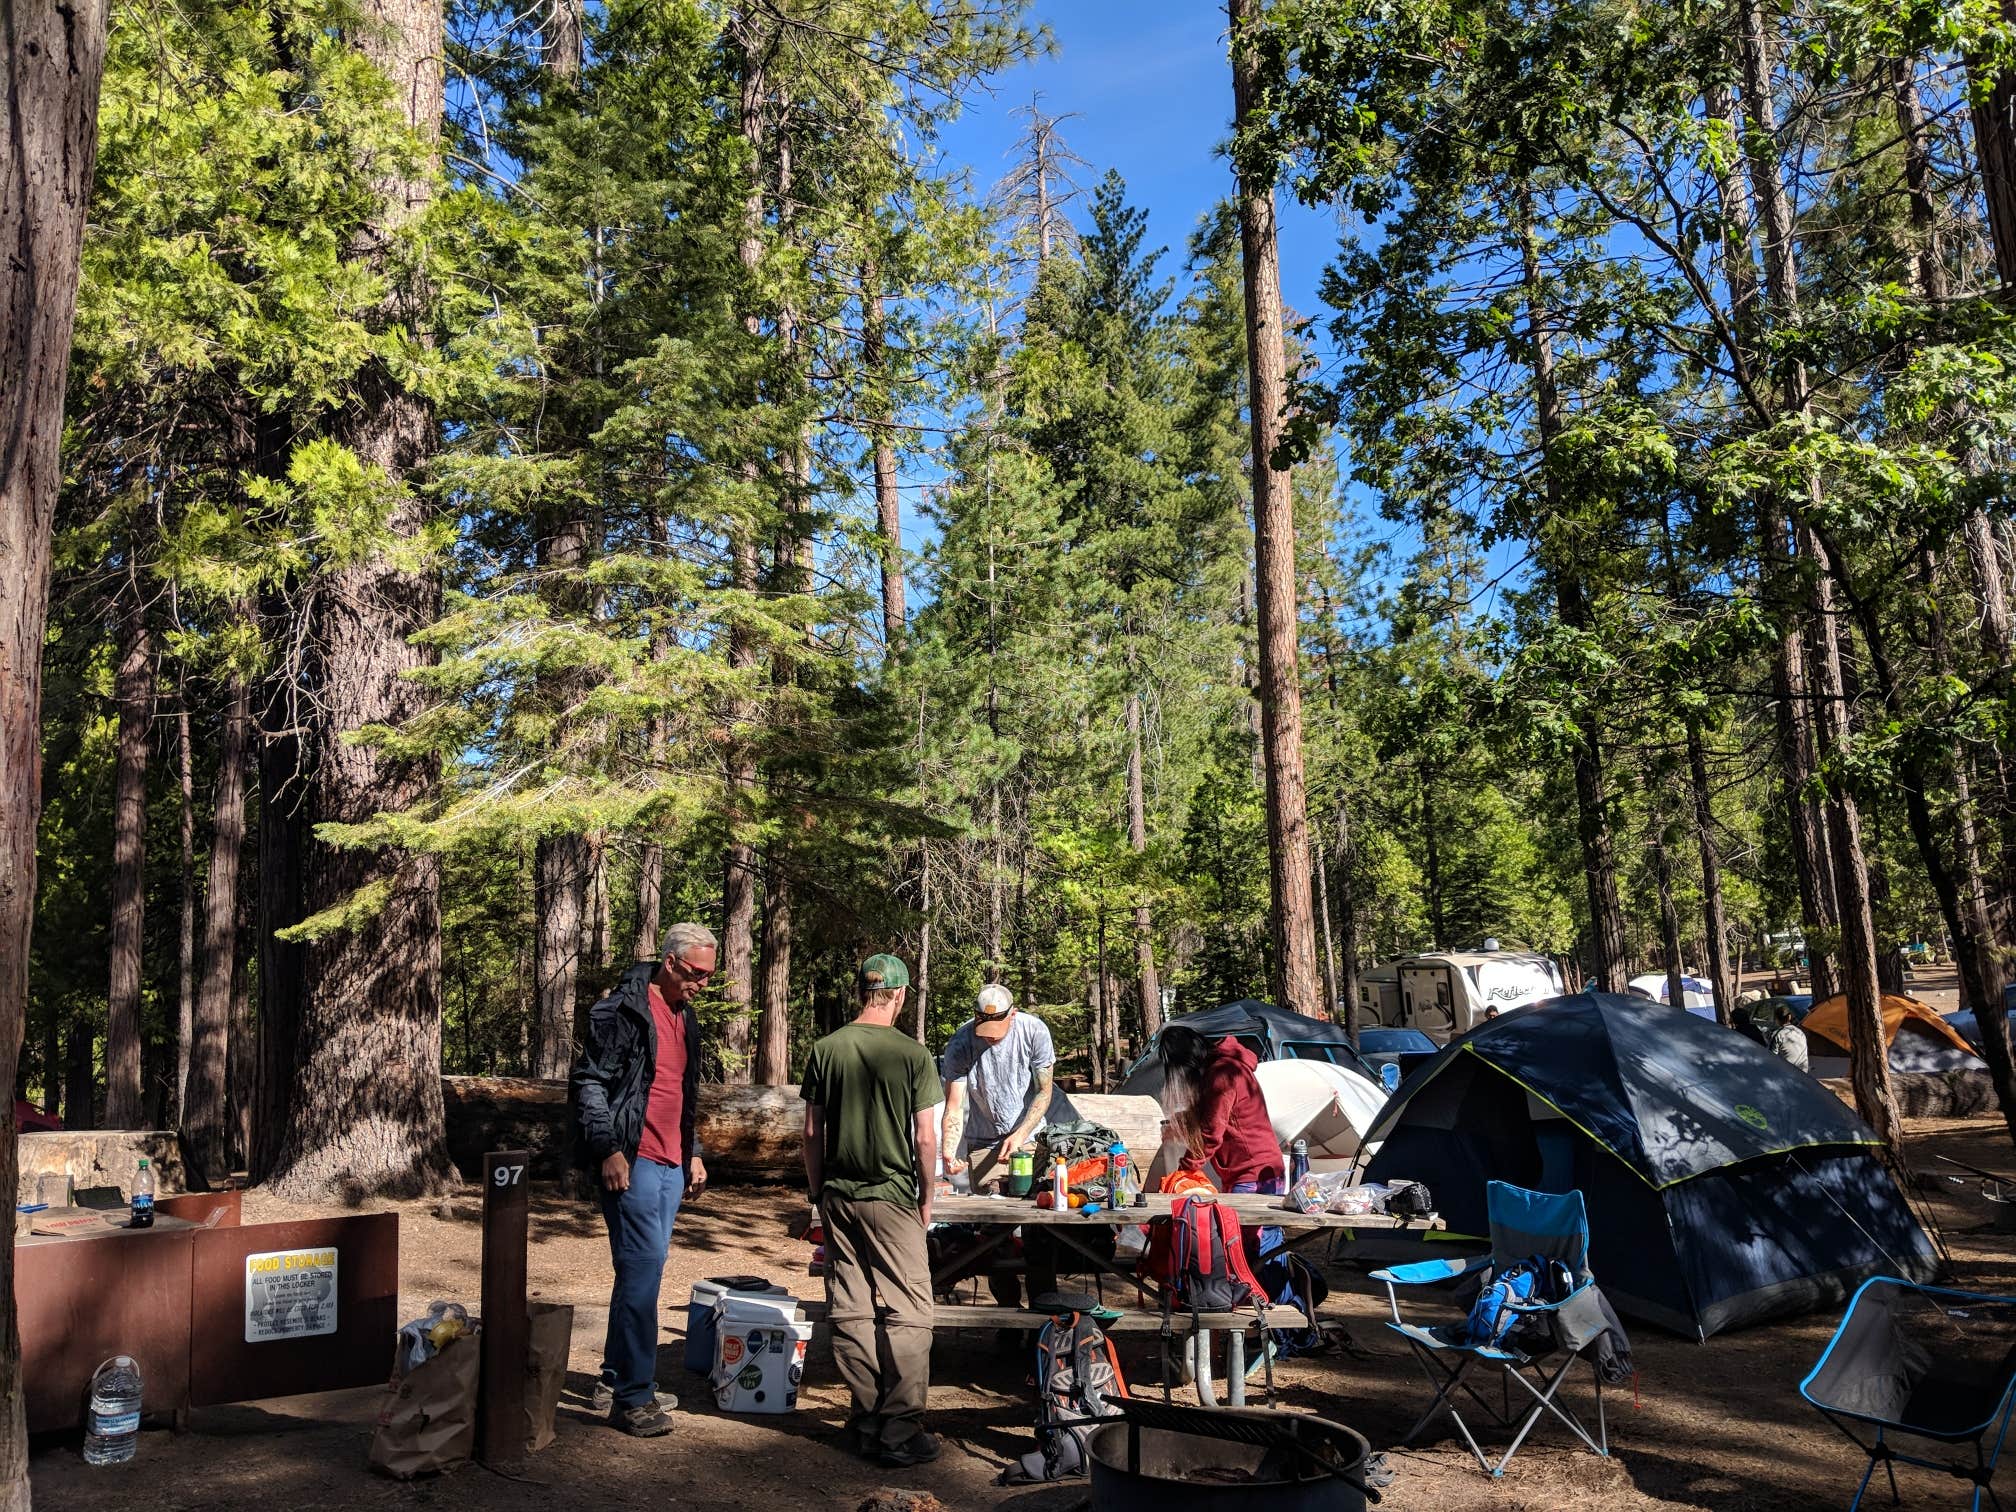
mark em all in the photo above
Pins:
pixel 1554 1226
pixel 1931 1366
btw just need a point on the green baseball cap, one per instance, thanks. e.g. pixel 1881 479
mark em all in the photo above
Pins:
pixel 880 973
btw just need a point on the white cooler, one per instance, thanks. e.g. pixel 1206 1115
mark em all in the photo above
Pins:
pixel 759 1353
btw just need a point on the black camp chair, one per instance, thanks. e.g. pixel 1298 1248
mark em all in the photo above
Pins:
pixel 1932 1367
pixel 1555 1226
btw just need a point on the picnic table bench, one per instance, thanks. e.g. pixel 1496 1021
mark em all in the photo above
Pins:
pixel 998 1218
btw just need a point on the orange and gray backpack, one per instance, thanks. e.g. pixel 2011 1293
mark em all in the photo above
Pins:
pixel 1077 1378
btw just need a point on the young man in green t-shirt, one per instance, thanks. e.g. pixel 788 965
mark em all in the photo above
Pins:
pixel 871 1147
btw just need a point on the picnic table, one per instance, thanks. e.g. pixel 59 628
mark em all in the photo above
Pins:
pixel 998 1218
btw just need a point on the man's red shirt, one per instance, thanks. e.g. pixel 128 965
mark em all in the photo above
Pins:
pixel 668 1083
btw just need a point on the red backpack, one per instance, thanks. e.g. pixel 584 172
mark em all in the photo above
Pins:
pixel 1197 1255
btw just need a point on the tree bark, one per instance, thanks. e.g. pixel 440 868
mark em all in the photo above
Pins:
pixel 1669 924
pixel 243 1078
pixel 1297 985
pixel 80 1076
pixel 185 941
pixel 48 142
pixel 133 693
pixel 282 839
pixel 773 1032
pixel 1995 145
pixel 738 885
pixel 1714 910
pixel 1322 869
pixel 1148 981
pixel 1875 1097
pixel 650 903
pixel 557 897
pixel 921 989
pixel 1347 922
pixel 207 1142
pixel 367 1114
pixel 881 400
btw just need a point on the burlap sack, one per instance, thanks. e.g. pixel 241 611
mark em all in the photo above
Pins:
pixel 428 1422
pixel 547 1343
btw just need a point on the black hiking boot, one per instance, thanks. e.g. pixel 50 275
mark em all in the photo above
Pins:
pixel 919 1449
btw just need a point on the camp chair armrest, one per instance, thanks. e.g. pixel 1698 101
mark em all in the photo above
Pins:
pixel 1425 1273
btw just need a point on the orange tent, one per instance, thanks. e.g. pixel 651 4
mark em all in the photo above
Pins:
pixel 1829 1021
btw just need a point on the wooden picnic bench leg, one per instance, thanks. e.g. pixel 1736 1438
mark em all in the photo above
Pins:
pixel 990 1240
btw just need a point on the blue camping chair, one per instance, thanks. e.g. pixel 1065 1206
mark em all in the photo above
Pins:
pixel 1927 1365
pixel 1524 1224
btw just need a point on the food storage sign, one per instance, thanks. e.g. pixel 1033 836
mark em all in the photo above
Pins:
pixel 290 1294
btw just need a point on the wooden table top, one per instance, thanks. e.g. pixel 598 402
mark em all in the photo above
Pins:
pixel 115 1226
pixel 1253 1209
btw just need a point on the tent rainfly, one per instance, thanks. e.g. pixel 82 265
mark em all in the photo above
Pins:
pixel 1723 1186
pixel 1919 1039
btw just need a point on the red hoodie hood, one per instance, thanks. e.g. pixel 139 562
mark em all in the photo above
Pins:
pixel 1235 1047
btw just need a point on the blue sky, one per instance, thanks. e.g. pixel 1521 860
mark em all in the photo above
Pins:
pixel 1151 90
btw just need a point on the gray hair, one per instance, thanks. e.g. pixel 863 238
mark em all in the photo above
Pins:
pixel 683 939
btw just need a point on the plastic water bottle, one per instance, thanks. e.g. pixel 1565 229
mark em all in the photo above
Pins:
pixel 112 1432
pixel 1300 1166
pixel 143 1195
pixel 1060 1185
pixel 1122 1174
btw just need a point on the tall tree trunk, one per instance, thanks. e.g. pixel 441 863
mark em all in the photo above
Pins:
pixel 738 886
pixel 80 1076
pixel 650 902
pixel 48 143
pixel 1347 921
pixel 1148 981
pixel 773 1038
pixel 1297 985
pixel 244 1075
pixel 881 418
pixel 367 1111
pixel 185 942
pixel 1995 146
pixel 282 837
pixel 207 1141
pixel 557 896
pixel 1323 914
pixel 133 693
pixel 1959 887
pixel 1714 910
pixel 921 988
pixel 1811 864
pixel 1431 865
pixel 1669 923
pixel 1592 809
pixel 52 1060
pixel 1102 1013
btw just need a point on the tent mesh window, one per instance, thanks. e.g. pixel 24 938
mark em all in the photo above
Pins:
pixel 1913 1360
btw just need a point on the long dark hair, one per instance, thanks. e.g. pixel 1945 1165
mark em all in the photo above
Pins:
pixel 1185 1051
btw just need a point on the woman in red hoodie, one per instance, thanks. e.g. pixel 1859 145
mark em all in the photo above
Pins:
pixel 1214 1099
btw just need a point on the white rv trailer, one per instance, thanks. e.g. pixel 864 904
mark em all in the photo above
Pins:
pixel 1446 993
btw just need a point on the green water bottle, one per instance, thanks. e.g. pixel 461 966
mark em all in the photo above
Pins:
pixel 1021 1173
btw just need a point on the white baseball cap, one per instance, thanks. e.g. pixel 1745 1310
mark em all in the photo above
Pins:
pixel 990 1019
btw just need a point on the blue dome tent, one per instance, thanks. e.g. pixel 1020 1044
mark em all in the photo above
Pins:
pixel 1271 1033
pixel 1723 1186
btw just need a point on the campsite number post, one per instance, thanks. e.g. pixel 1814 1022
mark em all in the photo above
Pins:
pixel 500 1395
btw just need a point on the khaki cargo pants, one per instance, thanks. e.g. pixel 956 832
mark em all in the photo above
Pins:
pixel 875 1250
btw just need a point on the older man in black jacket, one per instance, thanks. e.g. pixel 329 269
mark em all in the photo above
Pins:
pixel 635 1092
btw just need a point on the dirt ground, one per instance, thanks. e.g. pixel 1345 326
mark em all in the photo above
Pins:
pixel 1718 1426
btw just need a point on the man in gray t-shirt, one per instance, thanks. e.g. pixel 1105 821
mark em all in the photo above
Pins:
pixel 997 1070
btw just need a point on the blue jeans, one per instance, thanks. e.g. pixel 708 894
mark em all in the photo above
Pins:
pixel 640 1232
